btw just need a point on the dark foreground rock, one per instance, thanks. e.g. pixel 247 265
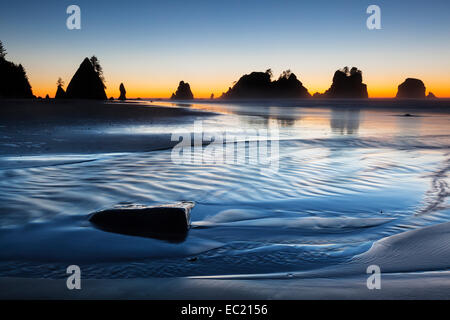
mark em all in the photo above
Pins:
pixel 411 89
pixel 183 92
pixel 86 83
pixel 166 222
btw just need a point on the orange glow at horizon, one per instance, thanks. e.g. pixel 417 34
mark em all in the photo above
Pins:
pixel 113 91
pixel 162 86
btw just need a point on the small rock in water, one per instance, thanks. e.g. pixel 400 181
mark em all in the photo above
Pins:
pixel 167 222
pixel 192 259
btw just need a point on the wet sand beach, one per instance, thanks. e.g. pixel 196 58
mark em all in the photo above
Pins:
pixel 357 185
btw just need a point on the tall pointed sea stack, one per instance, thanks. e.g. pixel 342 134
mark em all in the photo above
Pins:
pixel 123 92
pixel 60 93
pixel 86 83
pixel 183 92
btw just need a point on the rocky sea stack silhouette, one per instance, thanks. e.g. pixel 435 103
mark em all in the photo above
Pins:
pixel 183 92
pixel 347 84
pixel 13 79
pixel 258 85
pixel 431 95
pixel 87 83
pixel 123 92
pixel 411 89
pixel 60 93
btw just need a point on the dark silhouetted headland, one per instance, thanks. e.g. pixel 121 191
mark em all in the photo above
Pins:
pixel 123 92
pixel 183 92
pixel 87 83
pixel 347 84
pixel 13 79
pixel 258 85
pixel 411 89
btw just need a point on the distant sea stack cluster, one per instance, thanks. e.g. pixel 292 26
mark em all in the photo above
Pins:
pixel 258 85
pixel 347 84
pixel 88 83
pixel 183 92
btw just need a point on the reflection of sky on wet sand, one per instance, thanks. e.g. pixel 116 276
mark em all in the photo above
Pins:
pixel 346 177
pixel 310 122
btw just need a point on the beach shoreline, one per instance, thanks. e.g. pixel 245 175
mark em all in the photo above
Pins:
pixel 252 234
pixel 41 127
pixel 421 286
pixel 35 127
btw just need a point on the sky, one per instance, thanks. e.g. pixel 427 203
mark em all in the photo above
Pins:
pixel 151 45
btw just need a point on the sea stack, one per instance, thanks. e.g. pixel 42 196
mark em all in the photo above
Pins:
pixel 411 89
pixel 258 85
pixel 86 83
pixel 123 92
pixel 288 86
pixel 60 93
pixel 431 95
pixel 183 92
pixel 347 84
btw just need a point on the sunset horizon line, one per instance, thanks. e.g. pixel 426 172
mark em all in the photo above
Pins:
pixel 112 90
pixel 137 90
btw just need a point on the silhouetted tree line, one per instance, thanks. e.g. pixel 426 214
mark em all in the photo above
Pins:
pixel 13 78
